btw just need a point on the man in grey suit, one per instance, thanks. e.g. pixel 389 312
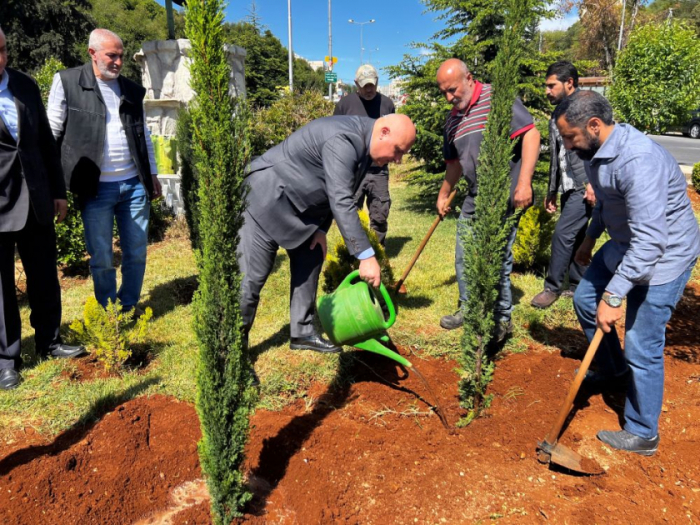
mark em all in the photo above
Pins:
pixel 295 190
pixel 32 192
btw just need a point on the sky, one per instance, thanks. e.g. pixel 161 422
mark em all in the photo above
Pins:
pixel 397 24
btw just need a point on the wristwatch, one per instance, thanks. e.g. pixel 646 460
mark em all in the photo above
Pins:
pixel 612 300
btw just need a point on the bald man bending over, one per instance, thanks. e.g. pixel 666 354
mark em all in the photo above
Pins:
pixel 295 190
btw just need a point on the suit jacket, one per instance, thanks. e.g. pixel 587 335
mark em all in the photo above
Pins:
pixel 302 184
pixel 30 168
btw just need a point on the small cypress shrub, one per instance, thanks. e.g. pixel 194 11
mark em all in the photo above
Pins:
pixel 188 180
pixel 104 332
pixel 339 262
pixel 485 239
pixel 696 177
pixel 220 153
pixel 533 243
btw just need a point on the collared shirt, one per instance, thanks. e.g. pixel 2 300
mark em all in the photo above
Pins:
pixel 642 201
pixel 464 132
pixel 8 109
pixel 117 163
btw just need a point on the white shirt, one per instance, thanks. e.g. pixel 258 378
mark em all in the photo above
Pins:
pixel 117 163
pixel 8 109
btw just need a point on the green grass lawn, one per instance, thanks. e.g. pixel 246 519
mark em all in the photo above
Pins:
pixel 49 401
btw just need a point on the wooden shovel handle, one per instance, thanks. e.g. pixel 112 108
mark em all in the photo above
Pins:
pixel 425 240
pixel 553 434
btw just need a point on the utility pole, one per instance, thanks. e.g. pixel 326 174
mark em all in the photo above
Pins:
pixel 291 53
pixel 330 52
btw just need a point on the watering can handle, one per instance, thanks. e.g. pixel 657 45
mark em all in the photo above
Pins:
pixel 385 295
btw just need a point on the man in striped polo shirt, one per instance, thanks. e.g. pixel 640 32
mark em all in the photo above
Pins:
pixel 464 128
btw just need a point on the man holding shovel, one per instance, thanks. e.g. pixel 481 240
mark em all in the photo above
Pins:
pixel 641 201
pixel 464 128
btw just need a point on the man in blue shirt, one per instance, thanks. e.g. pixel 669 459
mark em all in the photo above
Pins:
pixel 641 201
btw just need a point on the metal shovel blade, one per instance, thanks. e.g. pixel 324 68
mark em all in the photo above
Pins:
pixel 565 457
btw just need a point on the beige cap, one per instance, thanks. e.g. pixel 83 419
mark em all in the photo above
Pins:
pixel 366 74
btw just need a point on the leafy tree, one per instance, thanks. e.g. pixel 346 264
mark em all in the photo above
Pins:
pixel 220 151
pixel 485 240
pixel 657 77
pixel 37 30
pixel 135 21
pixel 266 63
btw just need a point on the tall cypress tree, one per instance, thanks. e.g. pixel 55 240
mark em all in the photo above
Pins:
pixel 220 150
pixel 485 240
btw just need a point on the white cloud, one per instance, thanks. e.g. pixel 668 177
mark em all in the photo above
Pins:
pixel 559 24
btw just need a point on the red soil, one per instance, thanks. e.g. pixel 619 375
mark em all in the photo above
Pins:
pixel 371 451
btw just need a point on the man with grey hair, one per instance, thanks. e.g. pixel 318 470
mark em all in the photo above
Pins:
pixel 107 156
pixel 641 201
pixel 32 194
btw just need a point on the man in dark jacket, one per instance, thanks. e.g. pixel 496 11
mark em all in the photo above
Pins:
pixel 107 155
pixel 567 176
pixel 32 192
pixel 295 190
pixel 368 102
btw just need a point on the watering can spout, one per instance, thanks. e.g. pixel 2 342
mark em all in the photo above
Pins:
pixel 372 345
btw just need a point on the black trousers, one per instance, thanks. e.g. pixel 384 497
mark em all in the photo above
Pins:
pixel 36 244
pixel 375 188
pixel 256 257
pixel 569 233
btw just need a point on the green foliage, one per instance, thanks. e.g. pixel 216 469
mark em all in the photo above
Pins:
pixel 657 77
pixel 44 76
pixel 37 30
pixel 696 177
pixel 160 218
pixel 270 126
pixel 533 243
pixel 104 332
pixel 189 186
pixel 266 63
pixel 484 240
pixel 220 151
pixel 339 262
pixel 70 236
pixel 135 21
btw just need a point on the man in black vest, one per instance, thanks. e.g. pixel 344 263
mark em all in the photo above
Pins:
pixel 107 156
pixel 367 102
pixel 567 176
pixel 32 192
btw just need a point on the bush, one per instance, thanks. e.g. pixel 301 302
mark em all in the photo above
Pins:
pixel 44 76
pixel 339 262
pixel 270 126
pixel 696 177
pixel 160 219
pixel 533 243
pixel 70 237
pixel 103 332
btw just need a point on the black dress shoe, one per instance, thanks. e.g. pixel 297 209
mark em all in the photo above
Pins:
pixel 623 440
pixel 9 378
pixel 313 342
pixel 63 351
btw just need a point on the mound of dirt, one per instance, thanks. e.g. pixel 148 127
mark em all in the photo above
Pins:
pixel 370 450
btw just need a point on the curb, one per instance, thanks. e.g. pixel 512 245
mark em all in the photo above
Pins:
pixel 688 172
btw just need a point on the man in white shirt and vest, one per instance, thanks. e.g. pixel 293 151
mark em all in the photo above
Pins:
pixel 98 119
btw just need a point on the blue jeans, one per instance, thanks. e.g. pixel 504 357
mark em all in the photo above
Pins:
pixel 504 303
pixel 128 203
pixel 648 310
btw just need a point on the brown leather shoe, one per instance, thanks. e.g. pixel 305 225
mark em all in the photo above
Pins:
pixel 544 299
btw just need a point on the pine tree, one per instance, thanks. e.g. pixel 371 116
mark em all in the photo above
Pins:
pixel 220 149
pixel 485 240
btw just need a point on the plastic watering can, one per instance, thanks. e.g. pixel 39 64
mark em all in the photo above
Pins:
pixel 353 316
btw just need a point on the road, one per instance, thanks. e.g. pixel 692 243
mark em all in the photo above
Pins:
pixel 685 150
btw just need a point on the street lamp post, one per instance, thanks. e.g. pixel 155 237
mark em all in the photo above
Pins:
pixel 361 24
pixel 291 53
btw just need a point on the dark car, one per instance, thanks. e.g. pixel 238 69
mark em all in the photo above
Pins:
pixel 692 127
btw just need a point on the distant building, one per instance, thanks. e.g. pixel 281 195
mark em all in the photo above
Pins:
pixel 315 64
pixel 599 84
pixel 395 90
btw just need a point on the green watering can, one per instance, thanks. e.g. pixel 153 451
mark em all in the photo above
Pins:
pixel 353 316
